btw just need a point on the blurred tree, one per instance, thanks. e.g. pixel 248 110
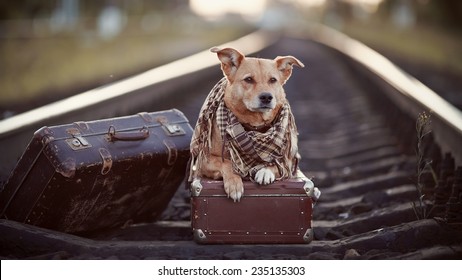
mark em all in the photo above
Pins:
pixel 447 13
pixel 442 13
pixel 26 9
pixel 21 9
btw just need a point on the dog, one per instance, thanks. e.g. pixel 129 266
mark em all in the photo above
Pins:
pixel 249 103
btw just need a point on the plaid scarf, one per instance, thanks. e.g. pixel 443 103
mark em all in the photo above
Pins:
pixel 251 150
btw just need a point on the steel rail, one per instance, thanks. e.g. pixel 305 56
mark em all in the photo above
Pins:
pixel 248 44
pixel 372 217
pixel 411 95
pixel 127 96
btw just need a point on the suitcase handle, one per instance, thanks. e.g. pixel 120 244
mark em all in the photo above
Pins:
pixel 142 134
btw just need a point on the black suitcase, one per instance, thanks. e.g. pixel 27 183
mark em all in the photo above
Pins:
pixel 100 174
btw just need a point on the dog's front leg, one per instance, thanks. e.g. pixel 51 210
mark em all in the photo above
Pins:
pixel 233 185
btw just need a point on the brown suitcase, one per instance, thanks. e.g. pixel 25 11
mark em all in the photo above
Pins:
pixel 100 174
pixel 277 213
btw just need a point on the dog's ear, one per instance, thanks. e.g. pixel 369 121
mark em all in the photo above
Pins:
pixel 285 64
pixel 230 60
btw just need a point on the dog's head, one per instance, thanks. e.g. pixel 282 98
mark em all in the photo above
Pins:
pixel 255 84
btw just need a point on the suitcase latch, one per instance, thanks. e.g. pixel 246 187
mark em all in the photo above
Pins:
pixel 77 142
pixel 170 129
pixel 173 129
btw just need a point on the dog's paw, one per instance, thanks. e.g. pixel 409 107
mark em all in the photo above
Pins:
pixel 264 176
pixel 234 187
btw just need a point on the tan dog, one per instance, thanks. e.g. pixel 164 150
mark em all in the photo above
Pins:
pixel 254 94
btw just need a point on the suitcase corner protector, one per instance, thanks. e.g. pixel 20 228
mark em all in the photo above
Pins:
pixel 196 187
pixel 308 186
pixel 199 236
pixel 308 236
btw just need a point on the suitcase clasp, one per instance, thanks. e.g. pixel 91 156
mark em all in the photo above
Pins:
pixel 82 140
pixel 77 142
pixel 173 129
pixel 170 129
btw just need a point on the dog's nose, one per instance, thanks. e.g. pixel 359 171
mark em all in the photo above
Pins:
pixel 265 98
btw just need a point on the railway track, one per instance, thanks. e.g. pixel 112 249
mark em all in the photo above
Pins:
pixel 357 141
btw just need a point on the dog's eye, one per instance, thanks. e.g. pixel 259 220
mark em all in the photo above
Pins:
pixel 249 80
pixel 272 80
